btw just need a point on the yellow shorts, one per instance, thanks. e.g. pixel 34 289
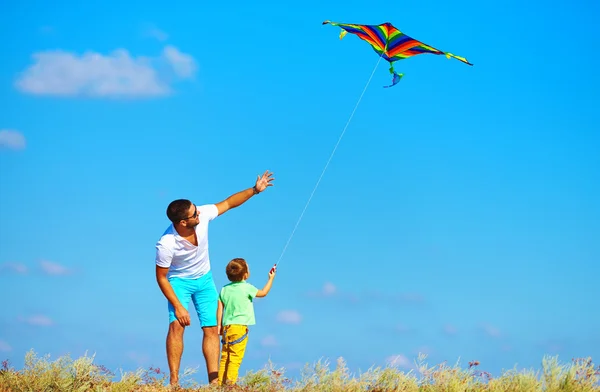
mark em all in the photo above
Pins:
pixel 235 338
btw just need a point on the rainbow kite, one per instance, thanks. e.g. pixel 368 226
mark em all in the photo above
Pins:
pixel 390 43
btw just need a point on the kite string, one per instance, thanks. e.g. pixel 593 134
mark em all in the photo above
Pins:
pixel 329 160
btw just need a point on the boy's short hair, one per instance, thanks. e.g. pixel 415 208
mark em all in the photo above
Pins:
pixel 236 269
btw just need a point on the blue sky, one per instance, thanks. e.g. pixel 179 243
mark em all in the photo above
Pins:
pixel 459 216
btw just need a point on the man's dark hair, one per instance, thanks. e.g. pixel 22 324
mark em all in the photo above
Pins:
pixel 236 269
pixel 178 210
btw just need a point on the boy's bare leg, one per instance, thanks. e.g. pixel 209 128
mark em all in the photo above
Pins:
pixel 211 350
pixel 174 350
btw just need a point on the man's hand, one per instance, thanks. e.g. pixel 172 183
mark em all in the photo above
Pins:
pixel 263 182
pixel 183 316
pixel 181 313
pixel 241 197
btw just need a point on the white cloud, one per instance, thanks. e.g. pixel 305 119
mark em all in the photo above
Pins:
pixel 268 341
pixel 289 317
pixel 51 268
pixel 183 64
pixel 4 347
pixel 293 365
pixel 38 320
pixel 12 139
pixel 490 330
pixel 398 360
pixel 96 75
pixel 14 267
pixel 552 345
pixel 137 357
pixel 450 329
pixel 157 34
pixel 329 289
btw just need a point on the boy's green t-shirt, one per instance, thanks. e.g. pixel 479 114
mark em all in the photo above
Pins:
pixel 237 302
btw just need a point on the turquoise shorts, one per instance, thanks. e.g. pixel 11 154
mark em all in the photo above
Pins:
pixel 203 292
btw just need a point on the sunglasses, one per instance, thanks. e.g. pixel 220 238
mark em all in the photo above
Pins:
pixel 194 215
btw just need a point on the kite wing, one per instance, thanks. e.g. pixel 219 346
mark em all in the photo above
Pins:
pixel 390 43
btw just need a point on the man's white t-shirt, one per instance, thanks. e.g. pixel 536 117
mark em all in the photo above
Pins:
pixel 183 259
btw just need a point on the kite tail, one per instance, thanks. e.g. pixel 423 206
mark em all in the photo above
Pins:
pixel 395 78
pixel 459 58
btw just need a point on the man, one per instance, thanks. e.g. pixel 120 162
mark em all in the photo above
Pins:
pixel 183 273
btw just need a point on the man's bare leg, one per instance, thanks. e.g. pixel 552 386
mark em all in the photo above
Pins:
pixel 211 349
pixel 174 350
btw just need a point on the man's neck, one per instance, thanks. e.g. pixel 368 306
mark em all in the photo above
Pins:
pixel 184 231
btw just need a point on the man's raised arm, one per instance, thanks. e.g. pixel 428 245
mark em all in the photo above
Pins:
pixel 241 197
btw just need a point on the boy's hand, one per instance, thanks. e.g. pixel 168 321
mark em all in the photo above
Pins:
pixel 265 290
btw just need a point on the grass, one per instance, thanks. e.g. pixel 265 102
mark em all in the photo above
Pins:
pixel 65 374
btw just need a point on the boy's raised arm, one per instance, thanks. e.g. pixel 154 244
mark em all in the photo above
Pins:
pixel 265 290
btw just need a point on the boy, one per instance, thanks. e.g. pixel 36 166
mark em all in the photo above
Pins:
pixel 235 313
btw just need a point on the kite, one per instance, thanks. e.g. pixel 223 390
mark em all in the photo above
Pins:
pixel 391 44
